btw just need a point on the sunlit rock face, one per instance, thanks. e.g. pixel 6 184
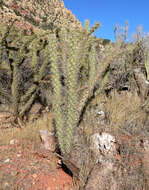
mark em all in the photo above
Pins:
pixel 103 145
pixel 34 14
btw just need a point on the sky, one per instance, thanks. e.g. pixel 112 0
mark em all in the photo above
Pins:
pixel 111 12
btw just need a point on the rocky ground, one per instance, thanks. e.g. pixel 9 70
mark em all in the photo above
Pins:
pixel 29 158
pixel 26 165
pixel 21 168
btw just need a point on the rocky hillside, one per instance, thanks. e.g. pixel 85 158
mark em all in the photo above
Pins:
pixel 88 98
pixel 33 14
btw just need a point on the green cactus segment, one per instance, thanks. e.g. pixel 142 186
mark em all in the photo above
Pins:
pixel 5 94
pixel 94 28
pixel 72 95
pixel 103 83
pixel 92 69
pixel 34 63
pixel 43 66
pixel 28 104
pixel 57 91
pixel 84 43
pixel 64 47
pixel 29 92
pixel 86 25
pixel 147 66
pixel 14 88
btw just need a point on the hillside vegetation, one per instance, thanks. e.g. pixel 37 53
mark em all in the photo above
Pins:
pixel 91 85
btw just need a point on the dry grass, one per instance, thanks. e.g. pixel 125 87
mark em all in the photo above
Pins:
pixel 30 132
pixel 91 122
pixel 124 114
pixel 124 109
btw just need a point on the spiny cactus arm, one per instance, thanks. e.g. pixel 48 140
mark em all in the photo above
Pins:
pixel 34 62
pixel 5 94
pixel 57 91
pixel 14 87
pixel 103 83
pixel 43 66
pixel 86 26
pixel 83 100
pixel 113 53
pixel 95 27
pixel 92 69
pixel 84 44
pixel 64 46
pixel 82 56
pixel 88 92
pixel 27 106
pixel 147 65
pixel 1 51
pixel 35 46
pixel 38 74
pixel 72 95
pixel 5 66
pixel 29 92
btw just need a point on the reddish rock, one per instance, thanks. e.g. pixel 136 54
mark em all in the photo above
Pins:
pixel 58 181
pixel 33 14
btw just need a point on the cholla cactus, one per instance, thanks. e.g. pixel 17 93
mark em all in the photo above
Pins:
pixel 80 51
pixel 57 91
pixel 14 87
pixel 72 95
pixel 80 48
pixel 146 49
pixel 11 91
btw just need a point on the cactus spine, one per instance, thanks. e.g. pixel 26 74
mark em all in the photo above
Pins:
pixel 14 87
pixel 147 65
pixel 72 94
pixel 57 91
pixel 92 69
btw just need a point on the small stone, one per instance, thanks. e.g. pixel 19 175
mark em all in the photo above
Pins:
pixel 7 160
pixel 18 155
pixel 101 114
pixel 48 140
pixel 34 176
pixel 13 141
